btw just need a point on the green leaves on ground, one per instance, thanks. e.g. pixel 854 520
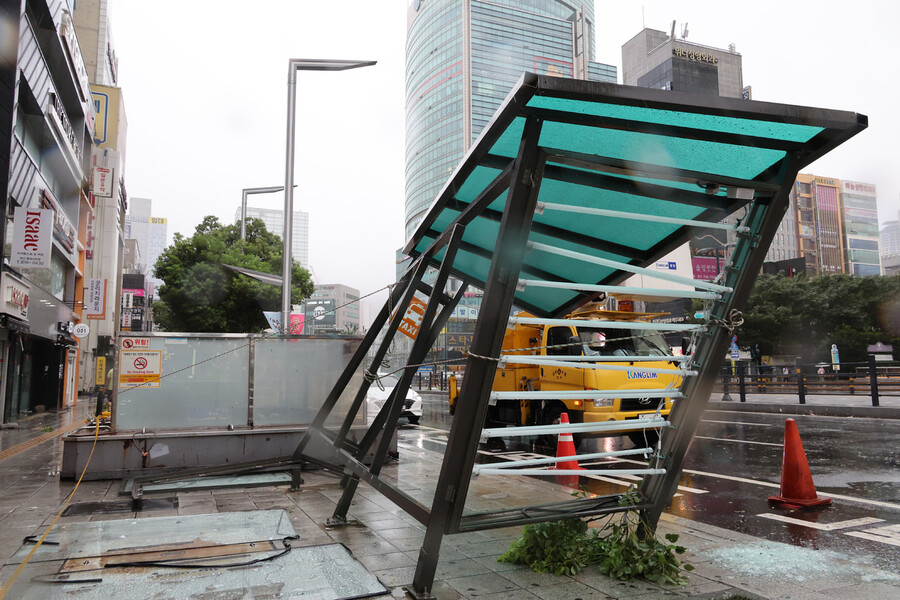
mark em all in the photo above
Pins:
pixel 557 547
pixel 627 549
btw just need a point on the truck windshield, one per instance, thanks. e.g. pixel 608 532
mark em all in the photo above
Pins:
pixel 623 342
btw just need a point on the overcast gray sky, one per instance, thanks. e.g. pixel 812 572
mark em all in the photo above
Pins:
pixel 206 98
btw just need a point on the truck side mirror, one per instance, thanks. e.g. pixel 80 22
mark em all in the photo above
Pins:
pixel 576 347
pixel 685 346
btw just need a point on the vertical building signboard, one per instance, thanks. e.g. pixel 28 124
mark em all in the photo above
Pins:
pixel 103 181
pixel 95 299
pixel 32 238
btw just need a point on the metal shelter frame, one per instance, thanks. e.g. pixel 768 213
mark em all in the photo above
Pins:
pixel 496 235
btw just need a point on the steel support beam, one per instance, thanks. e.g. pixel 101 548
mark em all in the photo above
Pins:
pixel 357 359
pixel 763 219
pixel 459 457
pixel 386 421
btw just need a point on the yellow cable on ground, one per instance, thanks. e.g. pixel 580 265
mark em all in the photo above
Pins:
pixel 8 585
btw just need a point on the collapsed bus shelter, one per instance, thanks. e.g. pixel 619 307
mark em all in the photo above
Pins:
pixel 572 188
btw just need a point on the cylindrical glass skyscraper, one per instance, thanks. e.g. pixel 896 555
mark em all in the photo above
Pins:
pixel 462 58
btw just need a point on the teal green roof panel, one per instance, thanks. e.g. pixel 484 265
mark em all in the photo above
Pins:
pixel 605 147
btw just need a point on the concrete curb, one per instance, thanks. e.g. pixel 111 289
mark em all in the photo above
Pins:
pixel 869 412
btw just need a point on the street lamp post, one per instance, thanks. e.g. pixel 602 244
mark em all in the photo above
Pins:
pixel 294 65
pixel 722 250
pixel 246 192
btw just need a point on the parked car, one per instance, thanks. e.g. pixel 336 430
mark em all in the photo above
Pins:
pixel 376 397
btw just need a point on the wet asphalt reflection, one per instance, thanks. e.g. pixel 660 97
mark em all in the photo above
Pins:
pixel 734 465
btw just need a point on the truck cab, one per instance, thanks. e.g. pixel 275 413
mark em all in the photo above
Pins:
pixel 589 341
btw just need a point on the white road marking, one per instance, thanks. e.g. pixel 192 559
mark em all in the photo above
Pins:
pixel 822 526
pixel 885 535
pixel 736 423
pixel 703 437
pixel 618 480
pixel 633 478
pixel 879 503
pixel 430 428
pixel 442 442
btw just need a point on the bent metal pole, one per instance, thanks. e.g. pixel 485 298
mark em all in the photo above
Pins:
pixel 294 65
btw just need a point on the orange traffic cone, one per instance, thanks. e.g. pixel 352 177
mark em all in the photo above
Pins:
pixel 797 489
pixel 565 447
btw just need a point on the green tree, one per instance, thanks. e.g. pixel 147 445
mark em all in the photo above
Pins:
pixel 804 316
pixel 200 295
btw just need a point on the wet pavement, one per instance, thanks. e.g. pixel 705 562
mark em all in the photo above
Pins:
pixel 387 541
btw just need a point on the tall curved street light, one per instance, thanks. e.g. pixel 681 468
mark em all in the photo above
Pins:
pixel 723 247
pixel 246 192
pixel 294 65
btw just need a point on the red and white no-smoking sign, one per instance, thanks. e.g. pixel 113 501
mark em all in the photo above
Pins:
pixel 140 368
pixel 133 343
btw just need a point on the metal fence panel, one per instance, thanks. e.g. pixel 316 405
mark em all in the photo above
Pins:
pixel 293 376
pixel 173 382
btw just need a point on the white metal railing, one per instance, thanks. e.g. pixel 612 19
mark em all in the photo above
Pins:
pixel 530 462
pixel 527 360
pixel 656 422
pixel 615 264
pixel 596 324
pixel 579 358
pixel 615 289
pixel 648 471
pixel 602 212
pixel 585 394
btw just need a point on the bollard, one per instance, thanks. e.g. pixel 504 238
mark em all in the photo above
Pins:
pixel 726 397
pixel 801 385
pixel 852 389
pixel 873 379
pixel 742 387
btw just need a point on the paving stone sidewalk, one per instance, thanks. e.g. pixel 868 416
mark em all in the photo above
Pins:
pixel 387 541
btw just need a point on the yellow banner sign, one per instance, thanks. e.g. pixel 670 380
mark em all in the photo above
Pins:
pixel 100 378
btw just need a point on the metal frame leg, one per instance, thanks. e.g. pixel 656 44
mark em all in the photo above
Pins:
pixel 763 218
pixel 472 404
pixel 386 421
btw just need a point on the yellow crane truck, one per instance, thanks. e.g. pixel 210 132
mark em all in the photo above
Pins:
pixel 549 340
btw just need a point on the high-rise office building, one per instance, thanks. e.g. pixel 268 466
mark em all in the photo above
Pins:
pixel 819 224
pixel 333 308
pixel 152 236
pixel 890 238
pixel 890 247
pixel 784 244
pixel 659 60
pixel 104 232
pixel 463 57
pixel 273 219
pixel 859 212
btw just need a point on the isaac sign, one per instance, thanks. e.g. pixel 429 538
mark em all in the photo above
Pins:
pixel 32 237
